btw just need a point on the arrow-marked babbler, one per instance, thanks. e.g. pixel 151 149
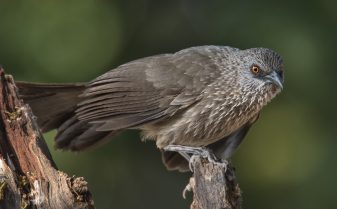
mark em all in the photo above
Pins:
pixel 206 96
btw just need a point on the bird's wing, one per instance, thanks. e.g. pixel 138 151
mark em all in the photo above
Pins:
pixel 147 89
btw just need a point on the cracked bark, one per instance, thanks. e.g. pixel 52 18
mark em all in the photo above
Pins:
pixel 213 185
pixel 29 177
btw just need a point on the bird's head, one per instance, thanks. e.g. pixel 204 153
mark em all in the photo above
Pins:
pixel 260 71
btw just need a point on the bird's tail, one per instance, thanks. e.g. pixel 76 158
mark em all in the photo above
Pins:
pixel 54 105
pixel 51 103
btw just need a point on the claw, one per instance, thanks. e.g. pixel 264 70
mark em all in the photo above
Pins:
pixel 189 153
pixel 189 187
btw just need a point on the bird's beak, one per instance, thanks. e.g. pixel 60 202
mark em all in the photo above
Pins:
pixel 275 79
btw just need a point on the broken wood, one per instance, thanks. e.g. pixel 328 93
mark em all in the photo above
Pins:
pixel 29 177
pixel 213 180
pixel 213 185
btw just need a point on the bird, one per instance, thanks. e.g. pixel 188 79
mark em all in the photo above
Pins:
pixel 200 97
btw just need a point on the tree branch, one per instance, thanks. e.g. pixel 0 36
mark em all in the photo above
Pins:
pixel 213 185
pixel 29 177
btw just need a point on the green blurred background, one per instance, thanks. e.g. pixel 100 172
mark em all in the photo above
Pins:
pixel 288 158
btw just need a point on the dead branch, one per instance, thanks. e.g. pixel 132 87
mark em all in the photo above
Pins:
pixel 29 177
pixel 213 185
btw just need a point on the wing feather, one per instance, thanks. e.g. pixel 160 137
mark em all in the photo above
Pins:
pixel 148 89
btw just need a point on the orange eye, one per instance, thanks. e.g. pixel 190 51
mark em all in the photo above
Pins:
pixel 255 69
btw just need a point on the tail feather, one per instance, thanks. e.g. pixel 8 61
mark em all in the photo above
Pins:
pixel 78 135
pixel 55 105
pixel 51 103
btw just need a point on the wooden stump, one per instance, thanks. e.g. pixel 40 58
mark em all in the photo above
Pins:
pixel 213 185
pixel 29 177
pixel 213 181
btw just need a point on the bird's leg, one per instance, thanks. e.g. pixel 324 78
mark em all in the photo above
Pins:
pixel 189 153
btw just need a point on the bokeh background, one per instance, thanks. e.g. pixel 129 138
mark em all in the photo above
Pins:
pixel 288 159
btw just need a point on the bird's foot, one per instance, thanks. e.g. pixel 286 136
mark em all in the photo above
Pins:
pixel 190 153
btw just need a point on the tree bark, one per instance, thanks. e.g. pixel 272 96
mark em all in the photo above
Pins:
pixel 213 185
pixel 29 177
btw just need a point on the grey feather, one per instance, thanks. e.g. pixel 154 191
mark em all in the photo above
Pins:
pixel 166 78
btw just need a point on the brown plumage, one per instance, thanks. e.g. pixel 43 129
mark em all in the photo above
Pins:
pixel 200 96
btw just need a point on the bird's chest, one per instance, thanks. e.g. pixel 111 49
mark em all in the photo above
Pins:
pixel 212 121
pixel 204 123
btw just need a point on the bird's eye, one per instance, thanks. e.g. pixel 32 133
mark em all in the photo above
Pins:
pixel 255 69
